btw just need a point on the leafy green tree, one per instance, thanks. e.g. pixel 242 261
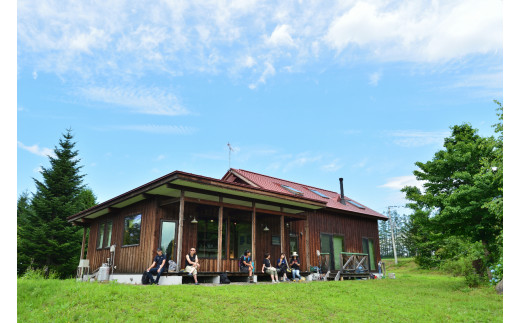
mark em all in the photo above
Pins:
pixel 46 237
pixel 462 195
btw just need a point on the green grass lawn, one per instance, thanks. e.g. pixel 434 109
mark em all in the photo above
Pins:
pixel 415 295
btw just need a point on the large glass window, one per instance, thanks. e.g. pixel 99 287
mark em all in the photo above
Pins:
pixel 207 238
pixel 108 239
pixel 293 243
pixel 239 238
pixel 167 242
pixel 101 234
pixel 132 233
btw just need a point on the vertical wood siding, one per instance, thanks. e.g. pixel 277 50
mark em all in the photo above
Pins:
pixel 135 259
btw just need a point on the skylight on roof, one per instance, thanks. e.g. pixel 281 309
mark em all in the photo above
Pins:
pixel 356 204
pixel 319 193
pixel 292 190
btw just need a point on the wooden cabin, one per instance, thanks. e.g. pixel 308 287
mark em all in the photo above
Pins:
pixel 222 218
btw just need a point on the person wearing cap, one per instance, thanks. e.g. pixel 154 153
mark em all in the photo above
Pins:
pixel 157 267
pixel 295 265
pixel 192 264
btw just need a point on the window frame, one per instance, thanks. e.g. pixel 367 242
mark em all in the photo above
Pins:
pixel 104 244
pixel 124 230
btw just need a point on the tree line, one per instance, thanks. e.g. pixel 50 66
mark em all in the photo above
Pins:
pixel 400 226
pixel 45 240
pixel 457 217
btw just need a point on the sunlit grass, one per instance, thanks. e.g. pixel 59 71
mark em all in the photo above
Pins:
pixel 415 295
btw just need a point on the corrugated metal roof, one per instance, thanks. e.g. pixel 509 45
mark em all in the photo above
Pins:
pixel 333 201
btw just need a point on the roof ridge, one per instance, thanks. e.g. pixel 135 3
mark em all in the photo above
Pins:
pixel 306 186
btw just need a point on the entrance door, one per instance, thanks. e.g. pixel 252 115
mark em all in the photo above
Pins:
pixel 167 239
pixel 368 247
pixel 337 244
pixel 333 245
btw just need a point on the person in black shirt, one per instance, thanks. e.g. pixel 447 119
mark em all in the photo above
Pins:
pixel 266 267
pixel 192 264
pixel 282 267
pixel 246 265
pixel 295 265
pixel 157 267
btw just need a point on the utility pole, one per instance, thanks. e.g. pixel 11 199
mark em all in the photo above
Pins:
pixel 392 230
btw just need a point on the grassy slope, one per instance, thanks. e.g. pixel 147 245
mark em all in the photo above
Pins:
pixel 415 295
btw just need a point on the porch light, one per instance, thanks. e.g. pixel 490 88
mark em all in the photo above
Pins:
pixel 194 221
pixel 266 228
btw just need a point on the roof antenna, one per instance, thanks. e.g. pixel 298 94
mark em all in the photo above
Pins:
pixel 230 150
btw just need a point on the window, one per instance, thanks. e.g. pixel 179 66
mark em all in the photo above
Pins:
pixel 207 238
pixel 132 233
pixel 356 204
pixel 239 238
pixel 318 193
pixel 108 234
pixel 291 190
pixel 293 242
pixel 104 235
pixel 101 233
pixel 167 240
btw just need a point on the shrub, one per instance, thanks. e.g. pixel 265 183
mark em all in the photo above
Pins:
pixel 497 273
pixel 39 273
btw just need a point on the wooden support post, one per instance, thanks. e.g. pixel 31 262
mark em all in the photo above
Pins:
pixel 83 243
pixel 253 235
pixel 219 244
pixel 282 232
pixel 179 236
pixel 307 244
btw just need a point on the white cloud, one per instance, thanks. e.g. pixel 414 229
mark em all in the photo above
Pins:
pixel 417 138
pixel 332 166
pixel 397 183
pixel 160 157
pixel 159 129
pixel 38 169
pixel 300 160
pixel 177 37
pixel 280 37
pixel 35 75
pixel 35 149
pixel 145 100
pixel 419 30
pixel 374 78
pixel 268 71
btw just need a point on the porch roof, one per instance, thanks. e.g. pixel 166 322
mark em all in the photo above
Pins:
pixel 204 188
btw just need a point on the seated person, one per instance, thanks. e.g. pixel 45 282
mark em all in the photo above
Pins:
pixel 246 265
pixel 295 265
pixel 282 267
pixel 266 267
pixel 157 267
pixel 192 264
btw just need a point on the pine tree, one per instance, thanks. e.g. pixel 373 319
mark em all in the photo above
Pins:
pixel 46 237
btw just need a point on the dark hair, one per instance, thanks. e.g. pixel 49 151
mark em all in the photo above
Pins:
pixel 282 254
pixel 267 254
pixel 245 252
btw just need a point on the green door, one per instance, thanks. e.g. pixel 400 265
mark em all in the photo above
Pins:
pixel 371 254
pixel 338 248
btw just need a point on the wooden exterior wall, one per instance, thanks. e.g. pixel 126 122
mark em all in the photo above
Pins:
pixel 135 259
pixel 352 228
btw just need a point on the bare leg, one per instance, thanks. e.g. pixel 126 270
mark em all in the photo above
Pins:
pixel 195 278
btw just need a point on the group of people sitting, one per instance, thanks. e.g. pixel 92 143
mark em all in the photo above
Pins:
pixel 281 269
pixel 192 264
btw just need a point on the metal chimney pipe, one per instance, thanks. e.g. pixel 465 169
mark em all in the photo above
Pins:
pixel 341 188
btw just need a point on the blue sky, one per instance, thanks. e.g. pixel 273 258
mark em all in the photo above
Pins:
pixel 303 91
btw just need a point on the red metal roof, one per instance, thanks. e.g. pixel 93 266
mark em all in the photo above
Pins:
pixel 274 184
